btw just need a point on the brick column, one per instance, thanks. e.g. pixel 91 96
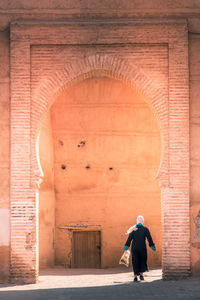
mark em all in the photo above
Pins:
pixel 175 200
pixel 22 196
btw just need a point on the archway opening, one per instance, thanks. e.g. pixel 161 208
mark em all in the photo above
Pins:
pixel 100 150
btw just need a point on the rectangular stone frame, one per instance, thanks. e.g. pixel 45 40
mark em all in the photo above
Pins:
pixel 24 195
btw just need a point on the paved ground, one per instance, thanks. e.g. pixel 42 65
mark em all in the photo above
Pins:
pixel 111 284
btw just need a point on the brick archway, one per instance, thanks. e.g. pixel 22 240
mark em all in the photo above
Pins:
pixel 28 106
pixel 98 65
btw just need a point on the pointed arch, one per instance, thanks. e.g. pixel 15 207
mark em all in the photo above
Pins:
pixel 98 65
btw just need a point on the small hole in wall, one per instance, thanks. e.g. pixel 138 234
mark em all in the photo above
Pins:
pixel 81 144
pixel 61 143
pixel 87 167
pixel 110 168
pixel 63 167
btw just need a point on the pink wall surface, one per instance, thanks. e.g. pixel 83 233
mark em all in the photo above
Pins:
pixel 108 139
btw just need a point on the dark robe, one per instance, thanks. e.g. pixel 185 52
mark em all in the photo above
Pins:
pixel 139 249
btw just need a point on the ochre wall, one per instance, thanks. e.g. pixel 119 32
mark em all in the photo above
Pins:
pixel 120 131
pixel 4 158
pixel 47 61
pixel 46 196
pixel 194 51
pixel 59 10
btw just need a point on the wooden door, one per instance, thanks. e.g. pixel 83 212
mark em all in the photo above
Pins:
pixel 86 249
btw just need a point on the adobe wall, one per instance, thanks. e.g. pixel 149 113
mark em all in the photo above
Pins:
pixel 46 195
pixel 4 157
pixel 111 178
pixel 194 57
pixel 43 10
pixel 49 60
pixel 53 73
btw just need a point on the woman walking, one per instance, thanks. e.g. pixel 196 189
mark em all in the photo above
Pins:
pixel 138 237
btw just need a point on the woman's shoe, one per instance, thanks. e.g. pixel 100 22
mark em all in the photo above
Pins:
pixel 141 277
pixel 135 279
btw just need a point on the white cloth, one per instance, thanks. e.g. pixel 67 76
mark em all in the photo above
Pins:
pixel 132 228
pixel 140 219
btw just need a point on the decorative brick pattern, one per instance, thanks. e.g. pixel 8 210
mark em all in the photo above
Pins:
pixel 101 65
pixel 30 100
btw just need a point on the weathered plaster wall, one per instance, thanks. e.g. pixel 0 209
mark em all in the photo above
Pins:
pixel 100 4
pixel 194 50
pixel 52 10
pixel 58 10
pixel 47 60
pixel 4 157
pixel 98 124
pixel 46 196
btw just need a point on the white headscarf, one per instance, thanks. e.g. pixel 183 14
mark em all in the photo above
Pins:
pixel 140 219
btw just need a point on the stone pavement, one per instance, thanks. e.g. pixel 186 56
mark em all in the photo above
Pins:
pixel 111 284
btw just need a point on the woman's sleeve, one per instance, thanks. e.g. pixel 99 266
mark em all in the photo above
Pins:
pixel 128 242
pixel 149 238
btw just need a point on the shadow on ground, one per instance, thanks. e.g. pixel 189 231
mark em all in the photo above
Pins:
pixel 111 284
pixel 142 290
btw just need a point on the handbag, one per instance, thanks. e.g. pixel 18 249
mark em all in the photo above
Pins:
pixel 124 260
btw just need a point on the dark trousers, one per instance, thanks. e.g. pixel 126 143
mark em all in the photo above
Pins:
pixel 139 261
